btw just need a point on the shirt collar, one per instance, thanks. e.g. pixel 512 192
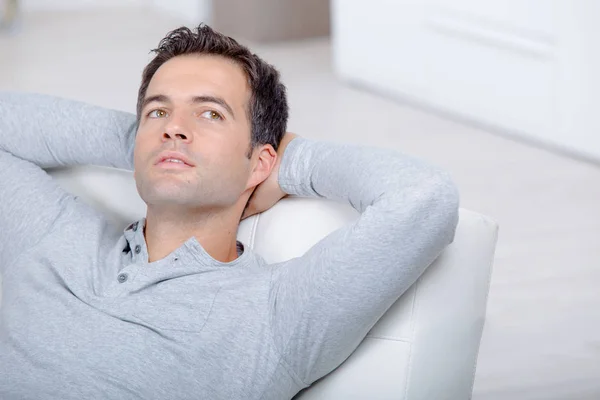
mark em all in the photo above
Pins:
pixel 136 246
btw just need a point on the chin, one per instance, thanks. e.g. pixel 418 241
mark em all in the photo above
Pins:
pixel 165 193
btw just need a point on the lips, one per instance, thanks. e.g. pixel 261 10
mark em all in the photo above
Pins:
pixel 173 155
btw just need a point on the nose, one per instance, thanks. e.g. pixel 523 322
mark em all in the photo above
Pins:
pixel 171 135
pixel 176 130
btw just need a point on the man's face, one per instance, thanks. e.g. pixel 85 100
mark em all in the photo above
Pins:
pixel 195 105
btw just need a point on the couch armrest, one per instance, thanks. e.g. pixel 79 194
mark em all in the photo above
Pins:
pixel 426 345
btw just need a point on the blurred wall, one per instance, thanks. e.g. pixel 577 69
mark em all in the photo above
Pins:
pixel 255 20
pixel 35 5
pixel 191 11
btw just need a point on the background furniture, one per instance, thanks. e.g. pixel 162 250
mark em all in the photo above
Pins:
pixel 263 21
pixel 8 13
pixel 424 348
pixel 526 68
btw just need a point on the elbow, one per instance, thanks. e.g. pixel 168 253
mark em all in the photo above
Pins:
pixel 428 209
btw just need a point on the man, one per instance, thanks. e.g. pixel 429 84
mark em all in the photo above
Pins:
pixel 173 307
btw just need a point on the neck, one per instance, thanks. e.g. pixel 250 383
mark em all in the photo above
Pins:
pixel 167 230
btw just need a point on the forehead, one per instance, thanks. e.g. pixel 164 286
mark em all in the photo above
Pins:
pixel 193 75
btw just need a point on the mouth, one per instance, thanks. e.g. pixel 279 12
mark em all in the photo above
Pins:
pixel 169 164
pixel 173 160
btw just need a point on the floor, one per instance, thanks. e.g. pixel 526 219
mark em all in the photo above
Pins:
pixel 542 335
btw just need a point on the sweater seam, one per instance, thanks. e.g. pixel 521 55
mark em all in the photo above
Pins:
pixel 300 382
pixel 33 247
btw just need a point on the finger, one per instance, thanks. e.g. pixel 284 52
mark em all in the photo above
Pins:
pixel 248 212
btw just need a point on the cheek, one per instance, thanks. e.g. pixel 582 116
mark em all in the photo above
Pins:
pixel 226 166
pixel 141 150
pixel 136 157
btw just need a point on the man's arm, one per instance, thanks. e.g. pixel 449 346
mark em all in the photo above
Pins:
pixel 36 132
pixel 325 302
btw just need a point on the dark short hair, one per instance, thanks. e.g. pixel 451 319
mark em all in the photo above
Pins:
pixel 268 108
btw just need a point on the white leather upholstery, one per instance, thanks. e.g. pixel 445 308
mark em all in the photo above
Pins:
pixel 424 348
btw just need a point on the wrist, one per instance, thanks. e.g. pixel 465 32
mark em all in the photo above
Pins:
pixel 287 139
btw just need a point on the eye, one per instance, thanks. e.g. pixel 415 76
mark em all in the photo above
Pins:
pixel 158 113
pixel 212 115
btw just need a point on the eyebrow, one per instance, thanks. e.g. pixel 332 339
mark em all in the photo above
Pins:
pixel 161 98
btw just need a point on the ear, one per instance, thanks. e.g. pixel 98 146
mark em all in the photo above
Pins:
pixel 263 161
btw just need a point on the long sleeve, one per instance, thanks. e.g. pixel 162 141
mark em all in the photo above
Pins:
pixel 36 132
pixel 325 302
pixel 54 132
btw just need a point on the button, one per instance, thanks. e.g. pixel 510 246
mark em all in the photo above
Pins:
pixel 138 248
pixel 122 278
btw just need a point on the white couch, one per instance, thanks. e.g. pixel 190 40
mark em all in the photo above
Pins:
pixel 424 348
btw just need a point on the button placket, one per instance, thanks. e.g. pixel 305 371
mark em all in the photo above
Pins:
pixel 122 277
pixel 127 249
pixel 127 276
pixel 176 258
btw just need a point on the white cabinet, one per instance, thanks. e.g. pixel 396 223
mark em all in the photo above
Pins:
pixel 528 67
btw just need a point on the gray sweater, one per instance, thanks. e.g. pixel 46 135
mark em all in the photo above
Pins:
pixel 85 316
